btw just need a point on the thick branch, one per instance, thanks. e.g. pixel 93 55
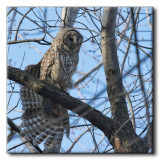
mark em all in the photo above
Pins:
pixel 148 139
pixel 125 139
pixel 99 120
pixel 111 67
pixel 69 15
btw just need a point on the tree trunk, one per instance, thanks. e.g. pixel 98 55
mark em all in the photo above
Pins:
pixel 68 16
pixel 124 138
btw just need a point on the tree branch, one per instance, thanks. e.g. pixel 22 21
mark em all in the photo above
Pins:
pixel 99 120
pixel 26 40
pixel 88 74
pixel 69 15
pixel 111 67
pixel 125 140
pixel 16 129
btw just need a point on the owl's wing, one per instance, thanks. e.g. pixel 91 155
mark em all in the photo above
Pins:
pixel 35 126
pixel 47 62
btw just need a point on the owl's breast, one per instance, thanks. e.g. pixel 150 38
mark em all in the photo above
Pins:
pixel 62 70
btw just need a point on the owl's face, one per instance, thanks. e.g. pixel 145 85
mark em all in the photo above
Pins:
pixel 71 40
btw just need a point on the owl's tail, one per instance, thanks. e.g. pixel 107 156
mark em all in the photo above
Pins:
pixel 67 127
pixel 37 127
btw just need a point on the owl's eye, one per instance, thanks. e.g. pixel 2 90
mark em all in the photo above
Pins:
pixel 71 39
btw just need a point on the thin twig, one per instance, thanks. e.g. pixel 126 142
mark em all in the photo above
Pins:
pixel 16 129
pixel 139 70
pixel 88 73
pixel 35 23
pixel 21 22
pixel 71 147
pixel 25 40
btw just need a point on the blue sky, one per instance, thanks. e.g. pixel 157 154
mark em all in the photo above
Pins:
pixel 88 59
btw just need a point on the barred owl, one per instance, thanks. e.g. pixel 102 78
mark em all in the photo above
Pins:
pixel 44 120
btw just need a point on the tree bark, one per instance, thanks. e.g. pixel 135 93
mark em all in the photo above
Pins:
pixel 118 130
pixel 125 140
pixel 49 91
pixel 68 16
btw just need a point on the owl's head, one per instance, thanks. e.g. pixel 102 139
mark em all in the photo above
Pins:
pixel 71 39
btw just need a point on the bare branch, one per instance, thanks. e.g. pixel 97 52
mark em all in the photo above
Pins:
pixel 148 18
pixel 69 15
pixel 21 22
pixel 29 146
pixel 69 150
pixel 139 70
pixel 35 23
pixel 82 109
pixel 25 40
pixel 125 141
pixel 16 129
pixel 88 73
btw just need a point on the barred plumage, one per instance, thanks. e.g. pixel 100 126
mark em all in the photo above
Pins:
pixel 44 120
